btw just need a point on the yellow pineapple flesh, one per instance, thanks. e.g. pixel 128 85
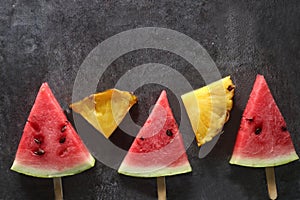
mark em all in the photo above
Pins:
pixel 209 107
pixel 105 110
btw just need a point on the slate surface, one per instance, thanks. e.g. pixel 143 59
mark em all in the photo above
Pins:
pixel 48 40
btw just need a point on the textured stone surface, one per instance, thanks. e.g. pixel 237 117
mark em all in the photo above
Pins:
pixel 46 40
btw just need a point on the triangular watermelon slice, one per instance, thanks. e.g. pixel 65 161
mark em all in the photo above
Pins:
pixel 158 149
pixel 263 139
pixel 50 147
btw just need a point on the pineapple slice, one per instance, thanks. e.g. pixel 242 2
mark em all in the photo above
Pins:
pixel 105 110
pixel 208 108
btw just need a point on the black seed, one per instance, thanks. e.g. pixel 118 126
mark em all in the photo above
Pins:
pixel 249 119
pixel 169 133
pixel 35 126
pixel 62 140
pixel 63 128
pixel 284 128
pixel 141 138
pixel 37 141
pixel 230 87
pixel 257 131
pixel 39 152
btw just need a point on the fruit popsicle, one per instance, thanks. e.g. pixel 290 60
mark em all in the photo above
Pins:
pixel 208 109
pixel 50 146
pixel 263 139
pixel 158 148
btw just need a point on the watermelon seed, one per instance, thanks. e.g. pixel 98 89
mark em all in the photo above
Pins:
pixel 37 141
pixel 62 140
pixel 230 87
pixel 63 128
pixel 141 138
pixel 169 133
pixel 257 131
pixel 249 119
pixel 283 128
pixel 35 126
pixel 39 152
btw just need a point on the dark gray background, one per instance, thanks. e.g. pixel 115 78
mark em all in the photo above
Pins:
pixel 46 40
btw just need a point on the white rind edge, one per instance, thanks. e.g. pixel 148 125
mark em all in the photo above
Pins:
pixel 152 172
pixel 267 162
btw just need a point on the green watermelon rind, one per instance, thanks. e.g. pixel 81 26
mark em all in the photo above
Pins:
pixel 148 172
pixel 263 162
pixel 47 173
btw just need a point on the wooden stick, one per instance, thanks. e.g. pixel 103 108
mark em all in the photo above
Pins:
pixel 161 188
pixel 270 175
pixel 58 190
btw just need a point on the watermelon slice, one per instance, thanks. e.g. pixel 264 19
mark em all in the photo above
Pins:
pixel 50 147
pixel 158 149
pixel 263 139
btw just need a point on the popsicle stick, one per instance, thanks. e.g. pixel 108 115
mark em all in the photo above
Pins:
pixel 58 190
pixel 270 175
pixel 161 188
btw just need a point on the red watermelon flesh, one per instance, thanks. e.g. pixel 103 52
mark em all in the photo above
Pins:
pixel 263 139
pixel 158 148
pixel 50 147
